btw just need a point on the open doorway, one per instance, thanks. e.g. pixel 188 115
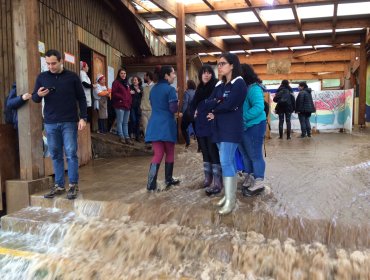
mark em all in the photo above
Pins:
pixel 86 56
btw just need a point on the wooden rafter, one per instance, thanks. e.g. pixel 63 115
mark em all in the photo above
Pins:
pixel 288 27
pixel 209 3
pixel 203 31
pixel 260 18
pixel 298 22
pixel 286 43
pixel 237 5
pixel 168 6
pixel 335 13
pixel 132 9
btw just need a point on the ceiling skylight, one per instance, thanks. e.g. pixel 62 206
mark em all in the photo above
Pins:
pixel 257 35
pixel 279 49
pixel 214 53
pixel 256 50
pixel 277 14
pixel 159 24
pixel 172 38
pixel 242 17
pixel 241 51
pixel 210 20
pixel 361 8
pixel 347 29
pixel 202 54
pixel 230 37
pixel 301 47
pixel 315 11
pixel 286 33
pixel 148 4
pixel 323 46
pixel 318 31
pixel 196 37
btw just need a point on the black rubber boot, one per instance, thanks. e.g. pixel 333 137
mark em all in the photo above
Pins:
pixel 217 180
pixel 152 176
pixel 208 177
pixel 168 171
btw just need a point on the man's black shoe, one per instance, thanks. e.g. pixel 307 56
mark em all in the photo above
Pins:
pixel 73 191
pixel 55 190
pixel 248 193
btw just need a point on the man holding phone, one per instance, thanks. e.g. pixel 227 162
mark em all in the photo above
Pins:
pixel 61 90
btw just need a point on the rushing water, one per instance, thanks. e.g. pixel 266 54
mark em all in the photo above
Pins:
pixel 312 223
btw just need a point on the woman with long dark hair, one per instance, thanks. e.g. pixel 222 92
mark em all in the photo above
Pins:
pixel 211 158
pixel 121 102
pixel 162 129
pixel 226 113
pixel 254 121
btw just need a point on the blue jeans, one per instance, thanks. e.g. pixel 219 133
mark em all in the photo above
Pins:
pixel 251 149
pixel 122 117
pixel 227 158
pixel 61 135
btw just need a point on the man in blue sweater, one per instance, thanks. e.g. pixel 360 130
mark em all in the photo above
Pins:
pixel 61 90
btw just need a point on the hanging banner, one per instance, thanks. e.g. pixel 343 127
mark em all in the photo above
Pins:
pixel 334 110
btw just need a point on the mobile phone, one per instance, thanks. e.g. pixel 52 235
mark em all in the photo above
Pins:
pixel 51 89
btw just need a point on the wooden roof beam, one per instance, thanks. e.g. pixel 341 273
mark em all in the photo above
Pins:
pixel 234 27
pixel 288 27
pixel 260 18
pixel 168 6
pixel 263 58
pixel 287 43
pixel 210 4
pixel 237 5
pixel 203 31
pixel 298 21
pixel 335 13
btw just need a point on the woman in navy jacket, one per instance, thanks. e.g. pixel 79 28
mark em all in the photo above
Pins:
pixel 226 113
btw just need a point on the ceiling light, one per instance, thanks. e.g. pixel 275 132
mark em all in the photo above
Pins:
pixel 214 53
pixel 348 29
pixel 286 33
pixel 323 46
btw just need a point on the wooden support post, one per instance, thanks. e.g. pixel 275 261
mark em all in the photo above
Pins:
pixel 180 57
pixel 362 80
pixel 27 66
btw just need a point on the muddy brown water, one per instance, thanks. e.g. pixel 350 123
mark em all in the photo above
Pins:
pixel 311 223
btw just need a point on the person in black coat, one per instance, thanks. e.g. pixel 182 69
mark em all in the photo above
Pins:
pixel 285 106
pixel 13 103
pixel 304 106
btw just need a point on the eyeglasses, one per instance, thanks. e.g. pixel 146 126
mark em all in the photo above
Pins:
pixel 222 63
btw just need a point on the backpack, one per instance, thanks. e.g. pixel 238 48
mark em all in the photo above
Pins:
pixel 8 113
pixel 285 99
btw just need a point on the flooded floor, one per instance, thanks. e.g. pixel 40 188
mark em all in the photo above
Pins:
pixel 312 222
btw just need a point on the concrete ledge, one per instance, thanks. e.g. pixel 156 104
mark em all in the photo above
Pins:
pixel 18 192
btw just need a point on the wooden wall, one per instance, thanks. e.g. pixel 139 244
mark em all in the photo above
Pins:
pixel 65 22
pixel 7 76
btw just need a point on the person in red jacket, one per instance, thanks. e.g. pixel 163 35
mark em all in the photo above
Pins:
pixel 121 102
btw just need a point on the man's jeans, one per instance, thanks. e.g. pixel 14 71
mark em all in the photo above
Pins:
pixel 122 117
pixel 251 149
pixel 227 158
pixel 304 119
pixel 59 135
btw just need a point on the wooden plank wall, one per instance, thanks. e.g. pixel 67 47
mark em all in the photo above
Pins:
pixel 60 19
pixel 7 75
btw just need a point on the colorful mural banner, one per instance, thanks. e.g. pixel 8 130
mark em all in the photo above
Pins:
pixel 368 92
pixel 334 110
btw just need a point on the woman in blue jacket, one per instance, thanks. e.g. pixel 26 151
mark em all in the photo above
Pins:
pixel 226 112
pixel 254 120
pixel 162 129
